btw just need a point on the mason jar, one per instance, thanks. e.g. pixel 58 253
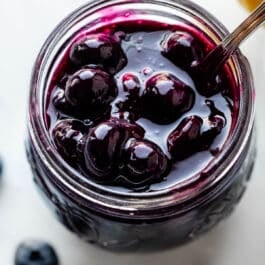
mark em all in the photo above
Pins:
pixel 250 4
pixel 155 220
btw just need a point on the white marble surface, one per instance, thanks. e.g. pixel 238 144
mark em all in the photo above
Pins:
pixel 24 26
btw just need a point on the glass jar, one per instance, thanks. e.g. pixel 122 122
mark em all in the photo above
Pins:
pixel 143 221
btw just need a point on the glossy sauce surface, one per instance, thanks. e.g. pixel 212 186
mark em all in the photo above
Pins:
pixel 124 110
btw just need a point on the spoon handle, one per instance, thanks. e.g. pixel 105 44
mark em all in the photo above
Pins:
pixel 233 40
pixel 219 55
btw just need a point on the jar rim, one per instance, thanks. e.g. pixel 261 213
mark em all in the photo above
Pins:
pixel 124 202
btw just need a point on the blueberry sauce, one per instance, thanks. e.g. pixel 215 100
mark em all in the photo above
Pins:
pixel 123 108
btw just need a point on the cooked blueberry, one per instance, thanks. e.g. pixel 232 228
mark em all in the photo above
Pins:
pixel 182 49
pixel 59 100
pixel 68 136
pixel 62 81
pixel 144 162
pixel 35 253
pixel 103 147
pixel 131 84
pixel 211 129
pixel 100 49
pixel 182 142
pixel 166 97
pixel 90 91
pixel 209 87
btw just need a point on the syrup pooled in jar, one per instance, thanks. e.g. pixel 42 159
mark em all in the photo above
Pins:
pixel 124 111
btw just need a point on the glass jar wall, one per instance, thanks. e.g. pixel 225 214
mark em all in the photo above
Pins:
pixel 153 220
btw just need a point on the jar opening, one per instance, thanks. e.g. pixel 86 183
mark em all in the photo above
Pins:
pixel 102 12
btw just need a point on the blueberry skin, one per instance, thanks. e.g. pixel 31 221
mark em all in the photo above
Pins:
pixel 182 49
pixel 90 91
pixel 67 136
pixel 99 49
pixel 183 141
pixel 166 98
pixel 35 253
pixel 143 162
pixel 103 147
pixel 131 84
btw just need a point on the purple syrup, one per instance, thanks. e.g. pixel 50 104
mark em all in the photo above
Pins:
pixel 134 119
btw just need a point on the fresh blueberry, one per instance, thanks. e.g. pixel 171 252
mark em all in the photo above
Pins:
pixel 182 142
pixel 99 49
pixel 90 91
pixel 182 49
pixel 214 128
pixel 68 137
pixel 36 253
pixel 166 97
pixel 143 162
pixel 103 147
pixel 62 82
pixel 58 97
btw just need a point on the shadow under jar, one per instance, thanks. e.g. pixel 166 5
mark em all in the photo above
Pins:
pixel 165 214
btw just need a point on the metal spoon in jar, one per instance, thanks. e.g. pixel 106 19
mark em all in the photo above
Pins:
pixel 206 69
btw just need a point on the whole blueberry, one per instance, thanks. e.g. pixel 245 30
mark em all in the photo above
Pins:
pixel 209 86
pixel 131 84
pixel 103 147
pixel 35 253
pixel 166 97
pixel 182 49
pixel 99 49
pixel 144 162
pixel 68 136
pixel 90 90
pixel 212 128
pixel 183 141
